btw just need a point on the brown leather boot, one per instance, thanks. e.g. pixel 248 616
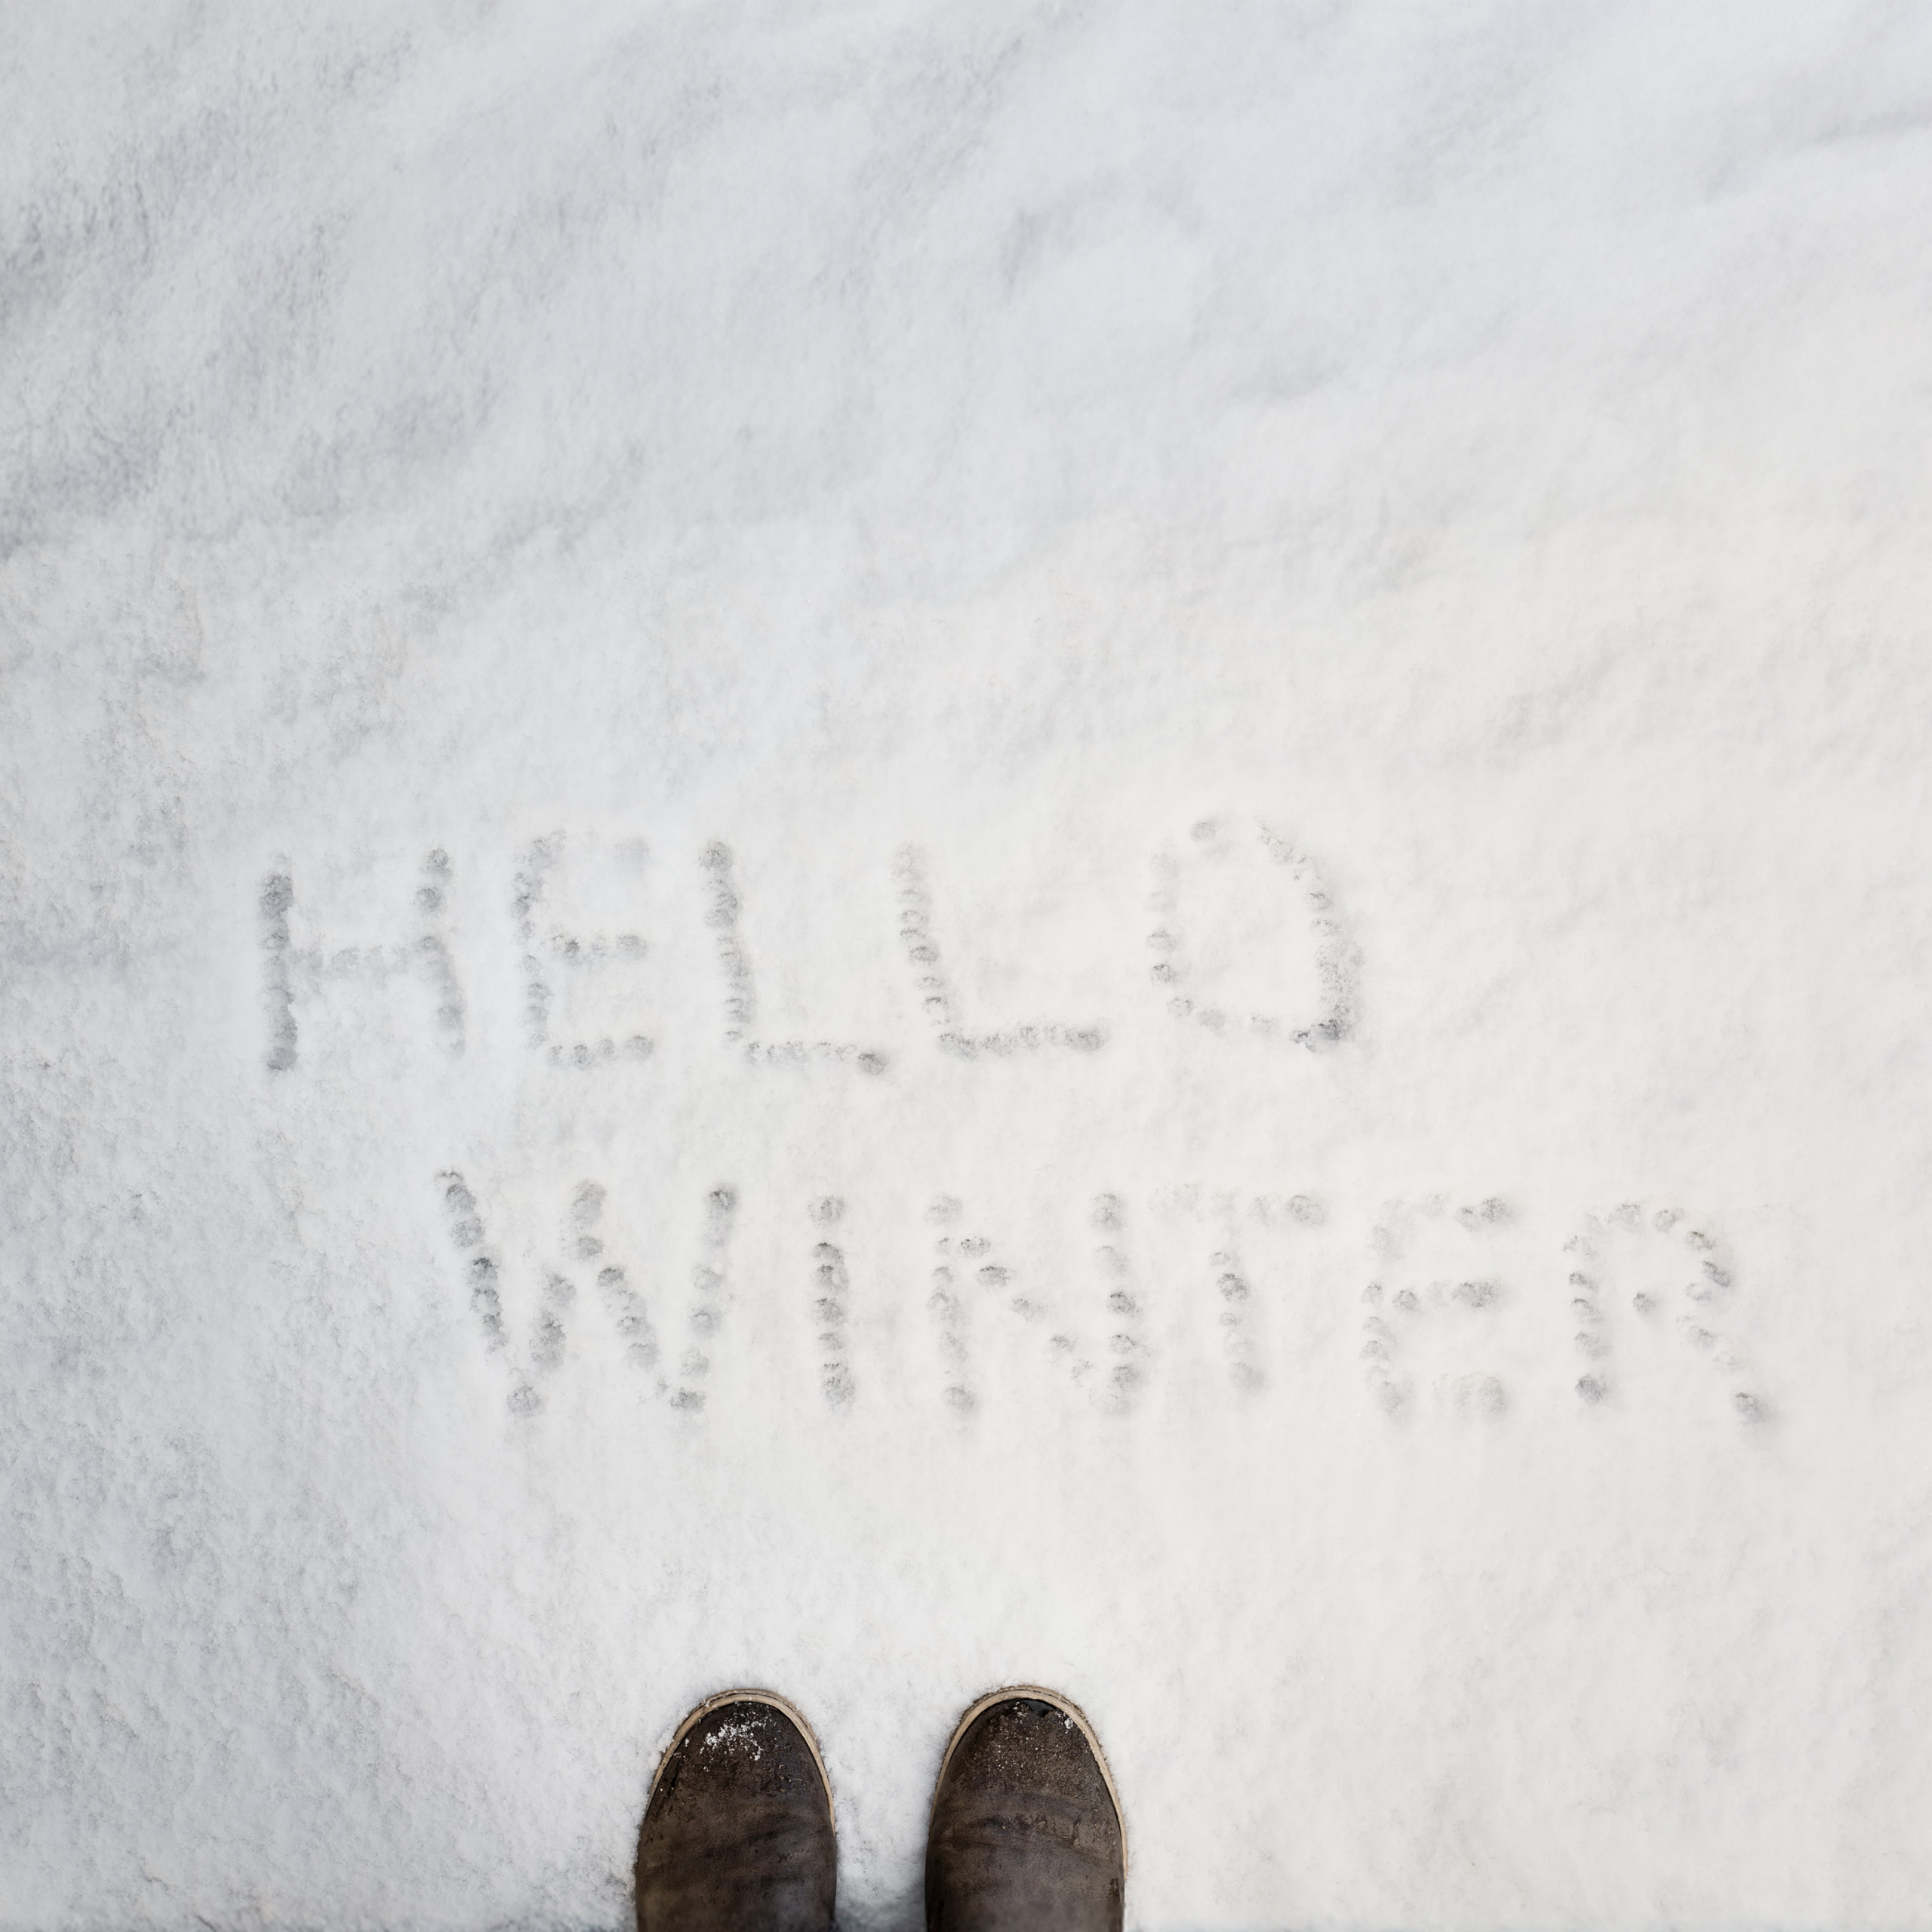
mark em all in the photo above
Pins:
pixel 738 1835
pixel 1026 1828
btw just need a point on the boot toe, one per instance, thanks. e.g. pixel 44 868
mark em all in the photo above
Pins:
pixel 1024 1828
pixel 739 1830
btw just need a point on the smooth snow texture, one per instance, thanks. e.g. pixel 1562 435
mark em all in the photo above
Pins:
pixel 877 848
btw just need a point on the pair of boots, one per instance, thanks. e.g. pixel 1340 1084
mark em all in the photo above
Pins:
pixel 1026 1829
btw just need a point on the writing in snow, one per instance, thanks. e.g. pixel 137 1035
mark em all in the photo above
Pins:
pixel 547 950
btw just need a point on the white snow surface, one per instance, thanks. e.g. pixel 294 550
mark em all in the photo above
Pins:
pixel 876 848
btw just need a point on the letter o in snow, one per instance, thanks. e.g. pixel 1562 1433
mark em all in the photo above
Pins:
pixel 1210 843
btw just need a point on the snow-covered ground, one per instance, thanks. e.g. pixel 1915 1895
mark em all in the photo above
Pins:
pixel 876 847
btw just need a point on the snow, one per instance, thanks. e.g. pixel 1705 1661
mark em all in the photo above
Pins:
pixel 873 849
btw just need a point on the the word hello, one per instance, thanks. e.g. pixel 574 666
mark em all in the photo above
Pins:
pixel 547 952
